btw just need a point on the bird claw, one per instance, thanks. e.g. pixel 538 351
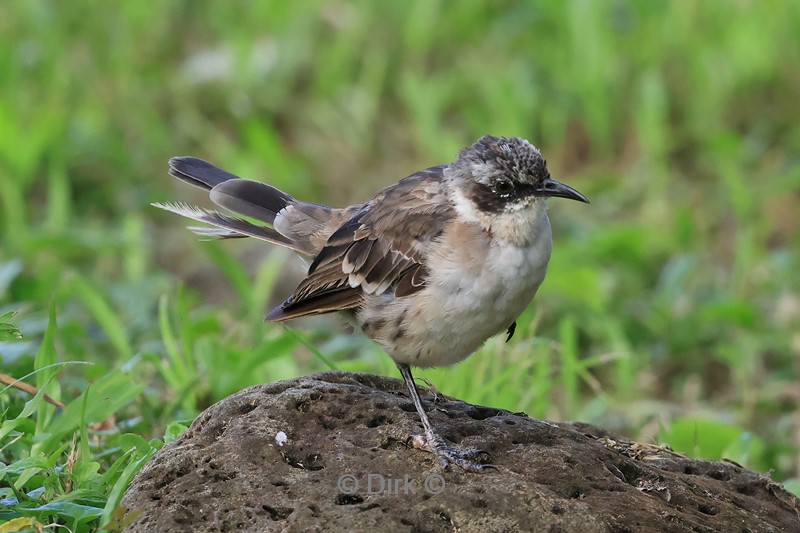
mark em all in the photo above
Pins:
pixel 465 458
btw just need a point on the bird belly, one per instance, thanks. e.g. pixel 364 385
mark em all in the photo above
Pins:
pixel 461 306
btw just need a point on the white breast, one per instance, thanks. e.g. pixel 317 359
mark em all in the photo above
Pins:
pixel 470 296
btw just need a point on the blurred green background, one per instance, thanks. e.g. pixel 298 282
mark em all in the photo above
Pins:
pixel 671 308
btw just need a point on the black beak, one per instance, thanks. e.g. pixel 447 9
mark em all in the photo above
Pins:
pixel 556 188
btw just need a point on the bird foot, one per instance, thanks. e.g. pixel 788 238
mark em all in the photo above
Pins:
pixel 465 458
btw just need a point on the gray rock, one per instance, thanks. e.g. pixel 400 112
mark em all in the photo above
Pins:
pixel 344 466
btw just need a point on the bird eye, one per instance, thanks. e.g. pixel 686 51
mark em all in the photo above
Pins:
pixel 503 187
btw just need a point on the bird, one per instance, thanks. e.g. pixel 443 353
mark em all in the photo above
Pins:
pixel 428 268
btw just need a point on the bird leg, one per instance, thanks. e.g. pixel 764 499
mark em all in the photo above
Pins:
pixel 432 442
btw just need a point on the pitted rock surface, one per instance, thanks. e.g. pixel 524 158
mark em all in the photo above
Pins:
pixel 344 466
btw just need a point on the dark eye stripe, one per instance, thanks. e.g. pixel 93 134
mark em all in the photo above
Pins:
pixel 489 200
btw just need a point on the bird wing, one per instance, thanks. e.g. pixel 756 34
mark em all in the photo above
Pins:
pixel 380 248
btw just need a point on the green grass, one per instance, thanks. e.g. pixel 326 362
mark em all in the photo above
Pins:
pixel 671 309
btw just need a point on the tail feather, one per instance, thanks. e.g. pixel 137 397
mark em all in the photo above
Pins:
pixel 198 172
pixel 246 197
pixel 226 226
pixel 215 233
pixel 300 226
pixel 251 198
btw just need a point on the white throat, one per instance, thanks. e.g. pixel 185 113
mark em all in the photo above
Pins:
pixel 519 225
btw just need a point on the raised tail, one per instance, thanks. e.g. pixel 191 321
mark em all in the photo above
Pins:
pixel 247 197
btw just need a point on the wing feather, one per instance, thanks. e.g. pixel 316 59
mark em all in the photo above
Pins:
pixel 379 249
